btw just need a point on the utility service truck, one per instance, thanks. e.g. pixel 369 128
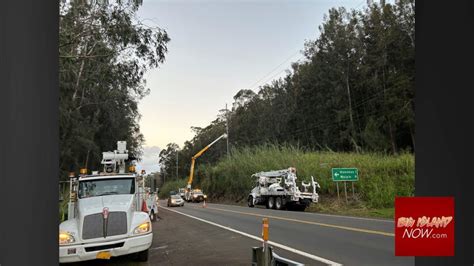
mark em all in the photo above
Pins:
pixel 108 214
pixel 279 190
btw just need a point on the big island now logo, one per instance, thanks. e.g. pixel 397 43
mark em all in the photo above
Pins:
pixel 424 226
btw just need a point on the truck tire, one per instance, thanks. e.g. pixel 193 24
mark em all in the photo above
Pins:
pixel 279 203
pixel 250 202
pixel 142 255
pixel 271 203
pixel 152 216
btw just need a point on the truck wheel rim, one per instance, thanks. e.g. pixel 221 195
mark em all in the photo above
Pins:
pixel 278 203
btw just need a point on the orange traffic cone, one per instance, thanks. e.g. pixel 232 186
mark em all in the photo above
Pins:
pixel 204 204
pixel 144 207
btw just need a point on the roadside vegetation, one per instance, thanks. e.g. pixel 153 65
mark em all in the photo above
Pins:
pixel 171 186
pixel 381 176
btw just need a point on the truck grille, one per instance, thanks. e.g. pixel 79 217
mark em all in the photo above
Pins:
pixel 94 225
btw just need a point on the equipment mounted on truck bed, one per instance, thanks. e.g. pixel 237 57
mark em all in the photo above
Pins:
pixel 278 190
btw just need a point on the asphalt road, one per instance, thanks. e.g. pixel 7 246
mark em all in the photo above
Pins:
pixel 340 239
pixel 193 235
pixel 179 240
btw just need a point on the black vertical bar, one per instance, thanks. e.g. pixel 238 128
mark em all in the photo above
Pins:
pixel 29 126
pixel 445 115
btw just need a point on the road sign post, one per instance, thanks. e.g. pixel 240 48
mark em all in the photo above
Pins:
pixel 345 190
pixel 345 174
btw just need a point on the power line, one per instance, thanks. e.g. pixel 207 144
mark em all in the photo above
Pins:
pixel 374 96
pixel 328 125
pixel 266 81
pixel 273 70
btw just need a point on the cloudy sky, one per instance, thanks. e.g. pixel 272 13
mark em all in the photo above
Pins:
pixel 217 48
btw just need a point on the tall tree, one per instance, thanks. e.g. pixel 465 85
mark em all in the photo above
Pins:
pixel 104 51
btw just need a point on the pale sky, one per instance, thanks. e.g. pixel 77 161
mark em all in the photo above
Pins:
pixel 217 48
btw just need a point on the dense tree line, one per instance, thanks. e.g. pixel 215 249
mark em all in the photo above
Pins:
pixel 104 51
pixel 353 92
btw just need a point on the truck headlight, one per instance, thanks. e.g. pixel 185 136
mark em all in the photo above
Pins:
pixel 205 196
pixel 65 238
pixel 142 228
pixel 194 196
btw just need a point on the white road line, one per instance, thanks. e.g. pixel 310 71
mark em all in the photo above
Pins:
pixel 321 214
pixel 296 251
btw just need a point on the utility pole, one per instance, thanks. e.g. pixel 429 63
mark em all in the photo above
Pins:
pixel 177 152
pixel 227 128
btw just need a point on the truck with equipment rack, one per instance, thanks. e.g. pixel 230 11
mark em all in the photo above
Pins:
pixel 278 190
pixel 108 214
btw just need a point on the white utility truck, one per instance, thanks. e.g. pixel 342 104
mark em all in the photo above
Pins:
pixel 107 213
pixel 196 195
pixel 278 190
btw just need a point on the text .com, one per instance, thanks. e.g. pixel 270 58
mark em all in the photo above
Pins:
pixel 422 233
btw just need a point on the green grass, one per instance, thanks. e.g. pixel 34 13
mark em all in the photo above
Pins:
pixel 352 208
pixel 381 176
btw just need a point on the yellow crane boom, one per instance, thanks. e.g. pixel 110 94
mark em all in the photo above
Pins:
pixel 191 171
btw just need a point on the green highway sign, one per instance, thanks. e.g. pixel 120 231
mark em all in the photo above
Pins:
pixel 345 174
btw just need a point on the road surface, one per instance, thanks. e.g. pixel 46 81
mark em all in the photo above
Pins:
pixel 224 234
pixel 339 239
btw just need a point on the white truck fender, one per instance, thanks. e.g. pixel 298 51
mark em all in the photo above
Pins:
pixel 139 218
pixel 69 226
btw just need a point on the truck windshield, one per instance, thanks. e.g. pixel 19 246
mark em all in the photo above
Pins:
pixel 102 187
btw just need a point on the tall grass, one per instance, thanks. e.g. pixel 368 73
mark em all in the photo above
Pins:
pixel 381 176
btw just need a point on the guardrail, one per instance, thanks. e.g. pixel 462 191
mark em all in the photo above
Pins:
pixel 264 256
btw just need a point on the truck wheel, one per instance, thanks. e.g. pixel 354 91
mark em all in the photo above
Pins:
pixel 250 202
pixel 142 256
pixel 271 203
pixel 152 216
pixel 278 203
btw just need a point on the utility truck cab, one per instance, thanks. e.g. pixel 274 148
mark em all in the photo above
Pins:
pixel 196 195
pixel 107 214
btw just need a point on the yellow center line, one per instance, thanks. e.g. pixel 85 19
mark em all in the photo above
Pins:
pixel 309 222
